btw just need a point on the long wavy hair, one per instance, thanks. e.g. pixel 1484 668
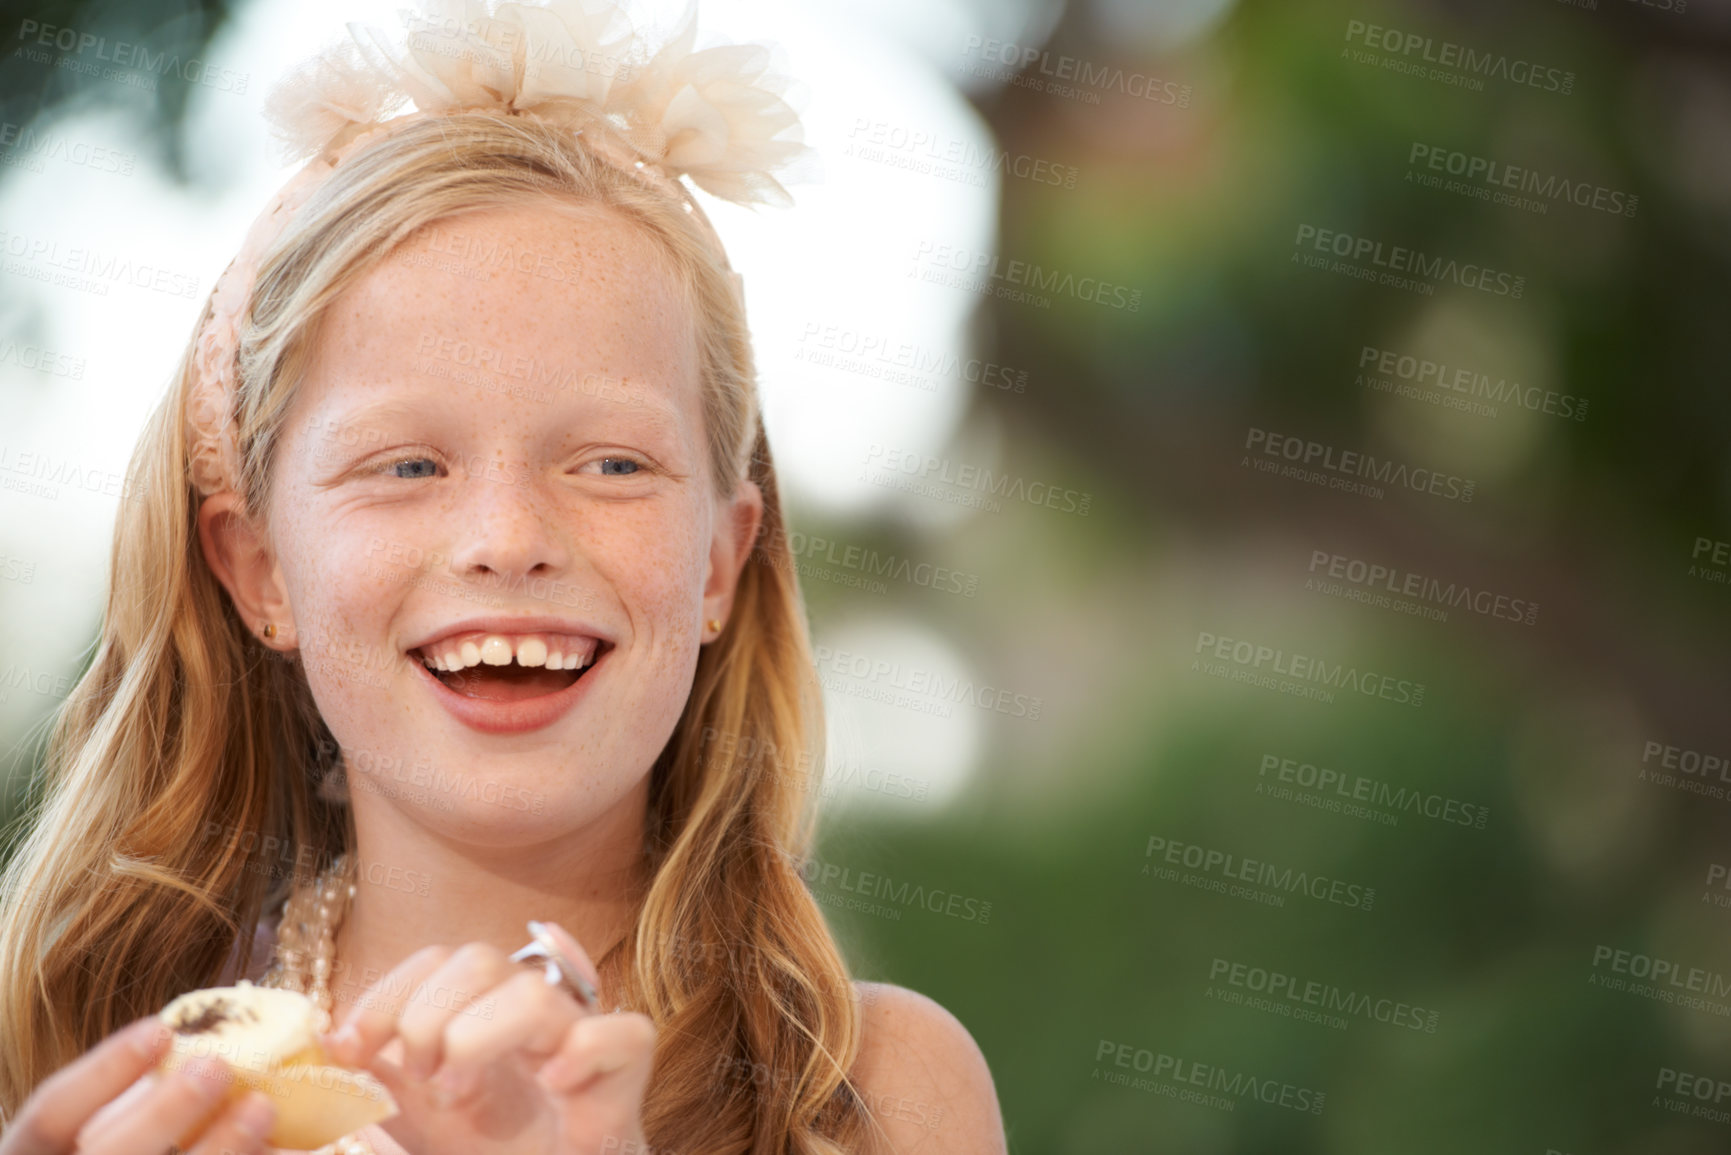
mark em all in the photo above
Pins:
pixel 116 898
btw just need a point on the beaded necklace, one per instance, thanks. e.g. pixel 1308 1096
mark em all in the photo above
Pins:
pixel 309 925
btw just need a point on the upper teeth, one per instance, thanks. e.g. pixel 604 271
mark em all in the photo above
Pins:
pixel 554 651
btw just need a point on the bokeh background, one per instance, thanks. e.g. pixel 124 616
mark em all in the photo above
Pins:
pixel 1065 358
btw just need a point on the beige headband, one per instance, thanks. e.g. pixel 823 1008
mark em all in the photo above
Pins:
pixel 715 115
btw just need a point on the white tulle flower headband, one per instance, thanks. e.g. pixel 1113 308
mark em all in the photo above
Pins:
pixel 716 115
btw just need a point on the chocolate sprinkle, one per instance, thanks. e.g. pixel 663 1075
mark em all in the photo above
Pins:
pixel 215 1013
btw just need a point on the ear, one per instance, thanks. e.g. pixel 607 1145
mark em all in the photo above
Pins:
pixel 735 534
pixel 240 557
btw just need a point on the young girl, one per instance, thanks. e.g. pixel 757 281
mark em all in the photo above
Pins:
pixel 453 594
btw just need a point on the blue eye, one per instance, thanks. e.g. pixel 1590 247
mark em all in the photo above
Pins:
pixel 605 461
pixel 396 466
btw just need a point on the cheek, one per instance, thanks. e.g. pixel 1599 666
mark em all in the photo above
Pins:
pixel 661 566
pixel 340 590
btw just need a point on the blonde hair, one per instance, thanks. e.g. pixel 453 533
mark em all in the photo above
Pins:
pixel 117 900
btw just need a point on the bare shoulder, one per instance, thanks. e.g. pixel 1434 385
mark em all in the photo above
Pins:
pixel 923 1076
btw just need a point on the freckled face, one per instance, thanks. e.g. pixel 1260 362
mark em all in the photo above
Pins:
pixel 503 418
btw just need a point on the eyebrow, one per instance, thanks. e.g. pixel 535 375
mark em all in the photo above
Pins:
pixel 389 407
pixel 659 412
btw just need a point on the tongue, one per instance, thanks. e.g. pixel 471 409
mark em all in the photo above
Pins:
pixel 511 683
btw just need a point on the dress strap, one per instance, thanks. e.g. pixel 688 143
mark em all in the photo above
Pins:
pixel 263 946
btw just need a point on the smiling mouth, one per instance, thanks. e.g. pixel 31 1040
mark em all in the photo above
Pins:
pixel 511 681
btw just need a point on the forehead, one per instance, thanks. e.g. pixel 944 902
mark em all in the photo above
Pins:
pixel 547 281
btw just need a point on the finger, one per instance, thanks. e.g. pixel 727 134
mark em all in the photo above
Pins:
pixel 372 1022
pixel 391 1075
pixel 599 1046
pixel 177 1106
pixel 241 1129
pixel 449 990
pixel 417 1112
pixel 598 1079
pixel 49 1121
pixel 523 1013
pixel 116 1109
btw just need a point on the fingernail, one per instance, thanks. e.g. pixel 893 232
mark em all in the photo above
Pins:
pixel 554 1073
pixel 345 1041
pixel 256 1116
pixel 148 1035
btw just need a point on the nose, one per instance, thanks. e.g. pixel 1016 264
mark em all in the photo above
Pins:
pixel 508 528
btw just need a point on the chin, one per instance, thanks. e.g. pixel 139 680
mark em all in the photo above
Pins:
pixel 493 812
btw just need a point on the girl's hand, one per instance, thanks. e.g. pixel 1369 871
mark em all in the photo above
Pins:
pixel 488 1058
pixel 111 1101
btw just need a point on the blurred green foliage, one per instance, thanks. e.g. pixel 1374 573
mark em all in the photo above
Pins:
pixel 1496 929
